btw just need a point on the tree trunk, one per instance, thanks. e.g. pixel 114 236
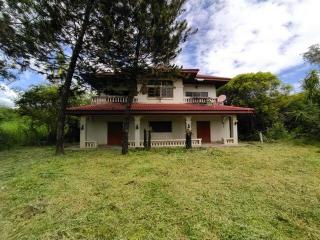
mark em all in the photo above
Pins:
pixel 126 122
pixel 66 86
pixel 132 93
pixel 125 129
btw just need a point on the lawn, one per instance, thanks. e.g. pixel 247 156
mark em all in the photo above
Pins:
pixel 269 191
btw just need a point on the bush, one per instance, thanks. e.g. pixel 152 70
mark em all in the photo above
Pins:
pixel 277 131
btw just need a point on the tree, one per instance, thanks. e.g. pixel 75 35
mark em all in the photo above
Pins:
pixel 260 91
pixel 300 116
pixel 146 38
pixel 49 35
pixel 313 54
pixel 41 105
pixel 311 86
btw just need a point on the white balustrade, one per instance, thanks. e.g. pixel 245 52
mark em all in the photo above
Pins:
pixel 200 100
pixel 90 144
pixel 110 99
pixel 228 141
pixel 169 143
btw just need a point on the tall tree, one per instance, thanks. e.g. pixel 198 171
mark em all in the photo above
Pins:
pixel 313 54
pixel 260 91
pixel 56 35
pixel 146 38
pixel 311 86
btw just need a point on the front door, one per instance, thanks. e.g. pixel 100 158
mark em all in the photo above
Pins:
pixel 203 131
pixel 114 133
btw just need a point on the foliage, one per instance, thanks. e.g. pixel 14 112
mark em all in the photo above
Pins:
pixel 34 120
pixel 41 103
pixel 311 86
pixel 313 54
pixel 268 191
pixel 15 130
pixel 261 91
pixel 301 116
pixel 277 131
pixel 59 38
pixel 278 114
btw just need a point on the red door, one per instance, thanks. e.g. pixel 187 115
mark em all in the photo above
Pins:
pixel 203 131
pixel 114 133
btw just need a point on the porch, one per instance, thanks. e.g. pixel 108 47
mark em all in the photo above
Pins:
pixel 166 131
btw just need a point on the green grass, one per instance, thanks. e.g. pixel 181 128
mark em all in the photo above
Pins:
pixel 269 191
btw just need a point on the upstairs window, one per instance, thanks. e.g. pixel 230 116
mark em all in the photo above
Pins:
pixel 164 126
pixel 197 94
pixel 160 88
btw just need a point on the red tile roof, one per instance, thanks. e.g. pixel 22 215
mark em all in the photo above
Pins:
pixel 158 108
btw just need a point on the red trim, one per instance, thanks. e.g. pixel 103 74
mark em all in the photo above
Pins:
pixel 157 108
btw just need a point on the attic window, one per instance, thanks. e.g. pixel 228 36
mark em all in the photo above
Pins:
pixel 160 88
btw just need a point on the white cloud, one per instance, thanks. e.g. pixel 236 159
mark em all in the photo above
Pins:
pixel 238 36
pixel 7 96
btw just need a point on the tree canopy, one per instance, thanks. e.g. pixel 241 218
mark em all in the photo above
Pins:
pixel 313 54
pixel 260 91
pixel 59 38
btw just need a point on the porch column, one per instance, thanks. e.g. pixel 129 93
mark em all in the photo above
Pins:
pixel 137 131
pixel 188 123
pixel 235 128
pixel 83 131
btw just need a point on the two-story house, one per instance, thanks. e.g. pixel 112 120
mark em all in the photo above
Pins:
pixel 167 108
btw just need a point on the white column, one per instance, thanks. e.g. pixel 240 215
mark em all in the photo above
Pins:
pixel 137 131
pixel 83 131
pixel 235 128
pixel 188 123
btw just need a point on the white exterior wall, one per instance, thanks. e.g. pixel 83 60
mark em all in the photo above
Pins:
pixel 177 95
pixel 179 91
pixel 211 89
pixel 96 127
pixel 97 130
pixel 218 129
pixel 178 127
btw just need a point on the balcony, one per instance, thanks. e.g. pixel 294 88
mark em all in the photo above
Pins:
pixel 110 99
pixel 200 100
pixel 123 99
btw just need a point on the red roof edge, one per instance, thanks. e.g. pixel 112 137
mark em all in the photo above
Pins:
pixel 150 109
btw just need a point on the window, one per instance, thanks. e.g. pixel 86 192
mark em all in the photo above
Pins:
pixel 160 88
pixel 197 94
pixel 161 126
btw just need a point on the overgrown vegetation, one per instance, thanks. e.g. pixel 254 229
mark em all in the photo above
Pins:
pixel 279 113
pixel 268 191
pixel 34 120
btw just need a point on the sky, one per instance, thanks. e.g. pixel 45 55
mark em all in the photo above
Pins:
pixel 233 37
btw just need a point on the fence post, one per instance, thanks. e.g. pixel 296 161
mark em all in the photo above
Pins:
pixel 261 137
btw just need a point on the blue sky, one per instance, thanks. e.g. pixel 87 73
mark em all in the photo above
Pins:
pixel 235 36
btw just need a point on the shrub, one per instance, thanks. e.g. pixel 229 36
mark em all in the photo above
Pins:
pixel 277 131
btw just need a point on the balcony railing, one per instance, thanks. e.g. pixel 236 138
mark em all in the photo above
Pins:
pixel 200 100
pixel 123 99
pixel 110 99
pixel 168 143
